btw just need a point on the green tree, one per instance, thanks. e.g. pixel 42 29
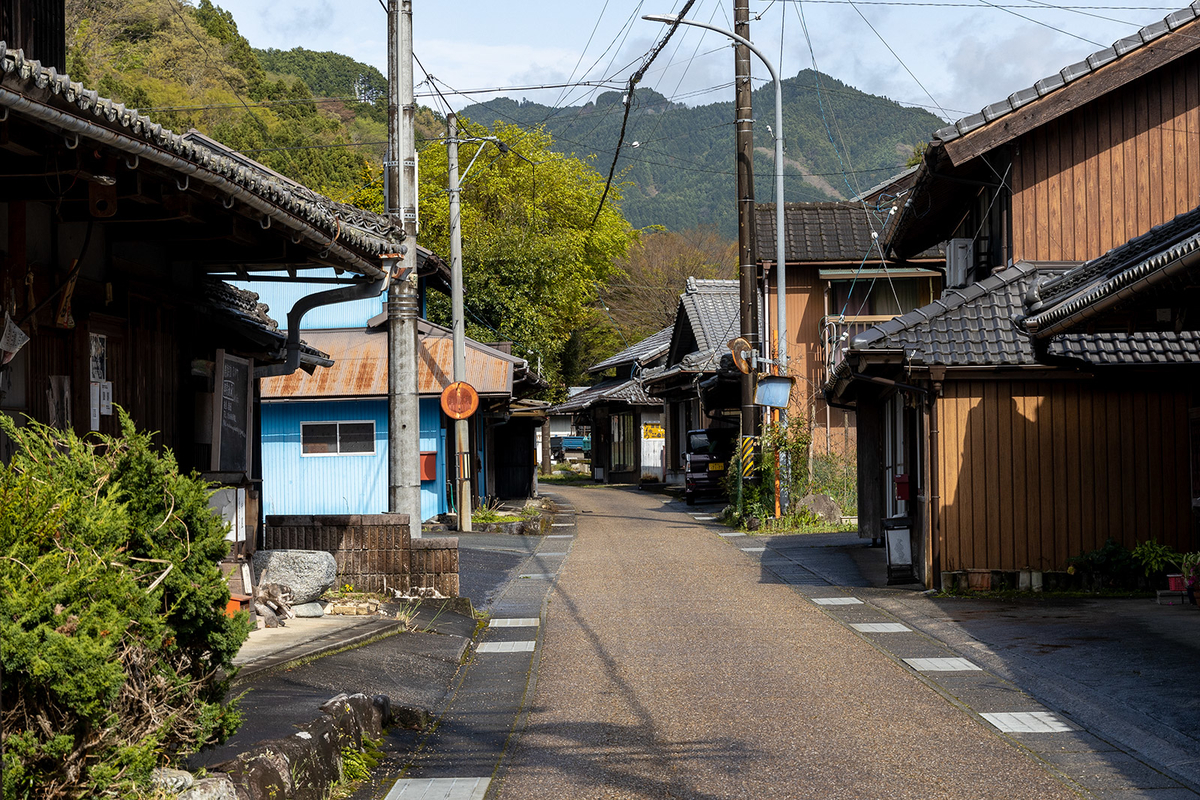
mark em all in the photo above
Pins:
pixel 532 259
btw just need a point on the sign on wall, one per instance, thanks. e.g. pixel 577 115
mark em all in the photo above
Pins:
pixel 232 413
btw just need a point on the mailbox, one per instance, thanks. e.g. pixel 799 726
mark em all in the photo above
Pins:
pixel 901 482
pixel 429 466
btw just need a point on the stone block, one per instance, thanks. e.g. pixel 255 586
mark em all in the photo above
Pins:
pixel 308 573
pixel 309 610
pixel 823 506
pixel 214 787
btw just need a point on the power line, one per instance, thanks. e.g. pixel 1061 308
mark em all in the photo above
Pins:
pixel 633 82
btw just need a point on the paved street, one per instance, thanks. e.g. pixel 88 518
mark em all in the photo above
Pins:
pixel 643 651
pixel 670 669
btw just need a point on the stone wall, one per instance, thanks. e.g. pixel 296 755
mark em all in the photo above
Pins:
pixel 374 552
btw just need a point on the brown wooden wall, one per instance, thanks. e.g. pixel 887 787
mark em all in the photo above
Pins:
pixel 1110 170
pixel 1031 473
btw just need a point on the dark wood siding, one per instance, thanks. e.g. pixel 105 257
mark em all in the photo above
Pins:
pixel 1110 170
pixel 1033 472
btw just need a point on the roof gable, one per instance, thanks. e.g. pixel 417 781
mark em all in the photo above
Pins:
pixel 1076 84
pixel 827 232
pixel 652 347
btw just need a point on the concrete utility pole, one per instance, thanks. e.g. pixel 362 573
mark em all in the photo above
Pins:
pixel 462 434
pixel 404 426
pixel 747 251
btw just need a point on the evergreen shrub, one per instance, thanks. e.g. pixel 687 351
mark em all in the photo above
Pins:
pixel 116 645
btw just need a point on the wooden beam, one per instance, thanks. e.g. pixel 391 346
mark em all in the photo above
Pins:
pixel 1146 59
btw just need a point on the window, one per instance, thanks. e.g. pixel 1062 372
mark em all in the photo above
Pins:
pixel 875 296
pixel 337 438
pixel 624 440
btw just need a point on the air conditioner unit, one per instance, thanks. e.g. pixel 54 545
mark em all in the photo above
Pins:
pixel 960 258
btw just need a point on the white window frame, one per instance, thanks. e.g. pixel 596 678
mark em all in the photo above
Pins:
pixel 339 422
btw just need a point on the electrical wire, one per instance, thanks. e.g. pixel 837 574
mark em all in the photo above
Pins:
pixel 633 82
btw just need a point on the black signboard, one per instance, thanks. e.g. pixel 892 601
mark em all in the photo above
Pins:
pixel 232 409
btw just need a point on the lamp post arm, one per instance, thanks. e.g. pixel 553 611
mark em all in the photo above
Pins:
pixel 780 239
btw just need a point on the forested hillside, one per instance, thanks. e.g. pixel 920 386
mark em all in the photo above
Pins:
pixel 679 161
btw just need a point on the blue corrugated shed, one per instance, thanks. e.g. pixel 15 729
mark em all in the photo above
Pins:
pixel 294 483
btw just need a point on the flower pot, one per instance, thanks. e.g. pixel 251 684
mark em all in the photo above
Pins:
pixel 1175 583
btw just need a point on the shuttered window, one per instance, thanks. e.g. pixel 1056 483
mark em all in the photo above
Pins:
pixel 337 438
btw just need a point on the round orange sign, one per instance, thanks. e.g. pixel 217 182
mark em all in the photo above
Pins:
pixel 459 400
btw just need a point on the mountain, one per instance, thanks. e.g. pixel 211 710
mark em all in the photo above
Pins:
pixel 677 163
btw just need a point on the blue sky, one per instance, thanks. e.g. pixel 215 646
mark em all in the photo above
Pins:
pixel 962 54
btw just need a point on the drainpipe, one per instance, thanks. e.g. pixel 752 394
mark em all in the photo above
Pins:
pixel 357 291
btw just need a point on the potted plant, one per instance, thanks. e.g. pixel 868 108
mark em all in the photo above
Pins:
pixel 1157 557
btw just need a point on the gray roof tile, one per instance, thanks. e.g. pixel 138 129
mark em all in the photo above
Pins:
pixel 1072 72
pixel 648 349
pixel 976 327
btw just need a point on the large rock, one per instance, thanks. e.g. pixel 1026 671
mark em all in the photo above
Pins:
pixel 308 573
pixel 214 787
pixel 823 506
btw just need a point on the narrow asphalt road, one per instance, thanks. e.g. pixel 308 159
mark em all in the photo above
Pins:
pixel 669 669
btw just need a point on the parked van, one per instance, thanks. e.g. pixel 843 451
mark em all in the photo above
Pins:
pixel 708 456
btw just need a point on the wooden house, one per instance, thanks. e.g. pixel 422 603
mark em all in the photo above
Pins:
pixel 1071 167
pixel 838 286
pixel 697 385
pixel 1000 438
pixel 626 423
pixel 115 235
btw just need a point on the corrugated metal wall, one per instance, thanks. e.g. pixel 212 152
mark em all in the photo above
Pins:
pixel 1110 170
pixel 349 484
pixel 1031 473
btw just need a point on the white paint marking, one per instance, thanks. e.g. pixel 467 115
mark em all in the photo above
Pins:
pixel 562 524
pixel 1027 722
pixel 549 554
pixel 561 536
pixel 754 549
pixel 439 789
pixel 837 601
pixel 537 577
pixel 514 622
pixel 507 647
pixel 942 664
pixel 704 518
pixel 731 534
pixel 880 627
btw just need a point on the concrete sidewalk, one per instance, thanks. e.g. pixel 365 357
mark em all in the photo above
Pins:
pixel 1118 674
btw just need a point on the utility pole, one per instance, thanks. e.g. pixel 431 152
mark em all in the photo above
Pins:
pixel 404 428
pixel 462 434
pixel 747 251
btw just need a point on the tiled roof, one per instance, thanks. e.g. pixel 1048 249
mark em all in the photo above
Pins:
pixel 648 349
pixel 243 306
pixel 712 308
pixel 1070 73
pixel 1052 302
pixel 613 390
pixel 977 327
pixel 351 235
pixel 826 232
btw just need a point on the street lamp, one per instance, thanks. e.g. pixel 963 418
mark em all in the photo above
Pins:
pixel 780 260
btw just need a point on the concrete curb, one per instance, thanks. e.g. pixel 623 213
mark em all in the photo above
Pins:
pixel 369 630
pixel 307 764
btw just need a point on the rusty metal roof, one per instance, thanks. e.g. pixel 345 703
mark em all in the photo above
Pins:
pixel 360 368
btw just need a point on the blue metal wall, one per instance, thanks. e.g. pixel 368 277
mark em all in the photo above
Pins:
pixel 349 484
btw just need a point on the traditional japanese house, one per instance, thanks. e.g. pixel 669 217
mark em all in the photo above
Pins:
pixel 838 286
pixel 698 385
pixel 115 233
pixel 625 422
pixel 996 452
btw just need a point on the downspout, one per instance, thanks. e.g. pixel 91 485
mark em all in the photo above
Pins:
pixel 933 549
pixel 357 291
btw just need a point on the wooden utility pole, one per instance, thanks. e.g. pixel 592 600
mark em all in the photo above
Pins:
pixel 747 255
